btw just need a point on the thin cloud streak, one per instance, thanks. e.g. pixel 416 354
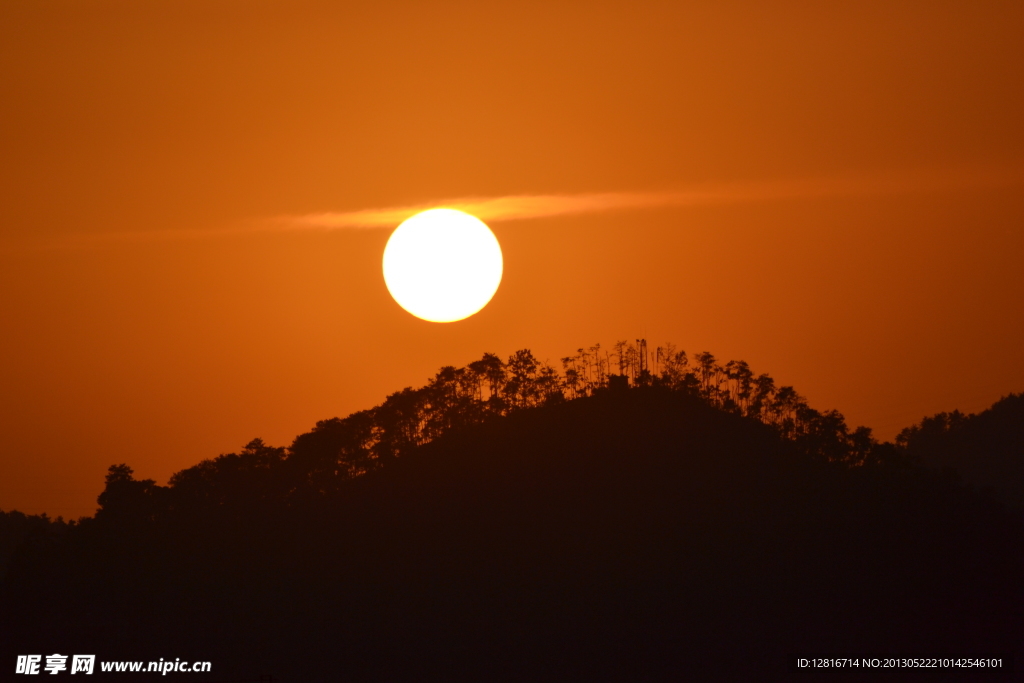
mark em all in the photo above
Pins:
pixel 523 207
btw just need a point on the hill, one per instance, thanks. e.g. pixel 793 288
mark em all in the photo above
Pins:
pixel 986 449
pixel 632 534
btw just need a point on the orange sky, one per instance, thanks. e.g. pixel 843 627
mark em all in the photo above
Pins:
pixel 177 124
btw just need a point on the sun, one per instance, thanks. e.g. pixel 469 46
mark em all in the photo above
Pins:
pixel 442 265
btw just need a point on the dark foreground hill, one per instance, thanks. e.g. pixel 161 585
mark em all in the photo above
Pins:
pixel 634 535
pixel 986 449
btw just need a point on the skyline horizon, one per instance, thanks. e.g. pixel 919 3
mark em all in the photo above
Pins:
pixel 603 379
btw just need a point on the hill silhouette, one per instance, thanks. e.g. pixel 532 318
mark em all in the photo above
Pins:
pixel 986 449
pixel 650 529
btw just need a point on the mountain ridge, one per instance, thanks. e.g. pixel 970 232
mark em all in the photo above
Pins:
pixel 639 533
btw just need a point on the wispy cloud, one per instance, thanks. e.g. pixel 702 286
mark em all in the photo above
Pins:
pixel 522 207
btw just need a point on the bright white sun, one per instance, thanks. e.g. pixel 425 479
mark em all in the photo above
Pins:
pixel 442 265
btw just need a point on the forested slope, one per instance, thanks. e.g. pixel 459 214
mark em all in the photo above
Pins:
pixel 634 534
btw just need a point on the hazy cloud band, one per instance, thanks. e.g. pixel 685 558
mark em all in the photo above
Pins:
pixel 521 207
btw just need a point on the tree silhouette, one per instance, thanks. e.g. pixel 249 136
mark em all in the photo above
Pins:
pixel 126 501
pixel 601 538
pixel 320 462
pixel 986 449
pixel 522 389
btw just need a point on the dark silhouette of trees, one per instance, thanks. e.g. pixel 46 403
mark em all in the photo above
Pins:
pixel 232 481
pixel 507 518
pixel 126 501
pixel 445 536
pixel 321 462
pixel 986 449
pixel 16 527
pixel 335 451
pixel 459 397
pixel 492 373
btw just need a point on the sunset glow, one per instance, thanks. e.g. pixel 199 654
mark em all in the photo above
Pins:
pixel 197 199
pixel 750 400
